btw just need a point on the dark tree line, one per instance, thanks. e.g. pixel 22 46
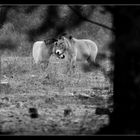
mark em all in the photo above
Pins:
pixel 51 21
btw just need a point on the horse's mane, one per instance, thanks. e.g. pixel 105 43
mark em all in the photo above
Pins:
pixel 49 41
pixel 69 46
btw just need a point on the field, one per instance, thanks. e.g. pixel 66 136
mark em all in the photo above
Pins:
pixel 33 102
pixel 36 102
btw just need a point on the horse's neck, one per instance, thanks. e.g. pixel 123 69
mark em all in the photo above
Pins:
pixel 70 47
pixel 69 44
pixel 49 47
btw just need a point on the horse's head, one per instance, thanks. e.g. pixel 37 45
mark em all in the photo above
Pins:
pixel 54 47
pixel 60 46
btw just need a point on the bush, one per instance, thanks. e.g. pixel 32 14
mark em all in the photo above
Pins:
pixel 9 39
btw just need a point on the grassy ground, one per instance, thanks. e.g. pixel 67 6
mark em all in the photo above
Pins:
pixel 65 106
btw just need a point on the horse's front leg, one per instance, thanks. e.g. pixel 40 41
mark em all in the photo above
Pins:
pixel 44 65
pixel 73 66
pixel 68 67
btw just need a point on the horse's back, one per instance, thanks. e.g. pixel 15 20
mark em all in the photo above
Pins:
pixel 85 48
pixel 92 46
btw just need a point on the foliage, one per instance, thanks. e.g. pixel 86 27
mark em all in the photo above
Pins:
pixel 24 21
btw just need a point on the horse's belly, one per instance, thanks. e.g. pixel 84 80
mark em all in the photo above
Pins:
pixel 82 54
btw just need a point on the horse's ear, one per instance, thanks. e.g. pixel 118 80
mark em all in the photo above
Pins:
pixel 70 37
pixel 59 37
pixel 54 40
pixel 62 35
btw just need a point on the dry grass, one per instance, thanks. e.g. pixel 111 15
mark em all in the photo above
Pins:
pixel 51 96
pixel 51 92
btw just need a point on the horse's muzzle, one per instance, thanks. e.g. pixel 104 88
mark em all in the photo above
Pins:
pixel 62 56
pixel 58 52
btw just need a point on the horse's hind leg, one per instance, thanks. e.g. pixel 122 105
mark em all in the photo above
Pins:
pixel 93 55
pixel 73 66
pixel 90 60
pixel 69 69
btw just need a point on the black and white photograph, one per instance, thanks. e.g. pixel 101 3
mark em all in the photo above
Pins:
pixel 69 69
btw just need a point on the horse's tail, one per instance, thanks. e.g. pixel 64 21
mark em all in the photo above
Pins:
pixel 94 51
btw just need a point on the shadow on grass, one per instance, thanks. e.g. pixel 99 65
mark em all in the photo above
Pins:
pixel 89 67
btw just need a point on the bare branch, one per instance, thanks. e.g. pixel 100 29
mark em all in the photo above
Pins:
pixel 86 19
